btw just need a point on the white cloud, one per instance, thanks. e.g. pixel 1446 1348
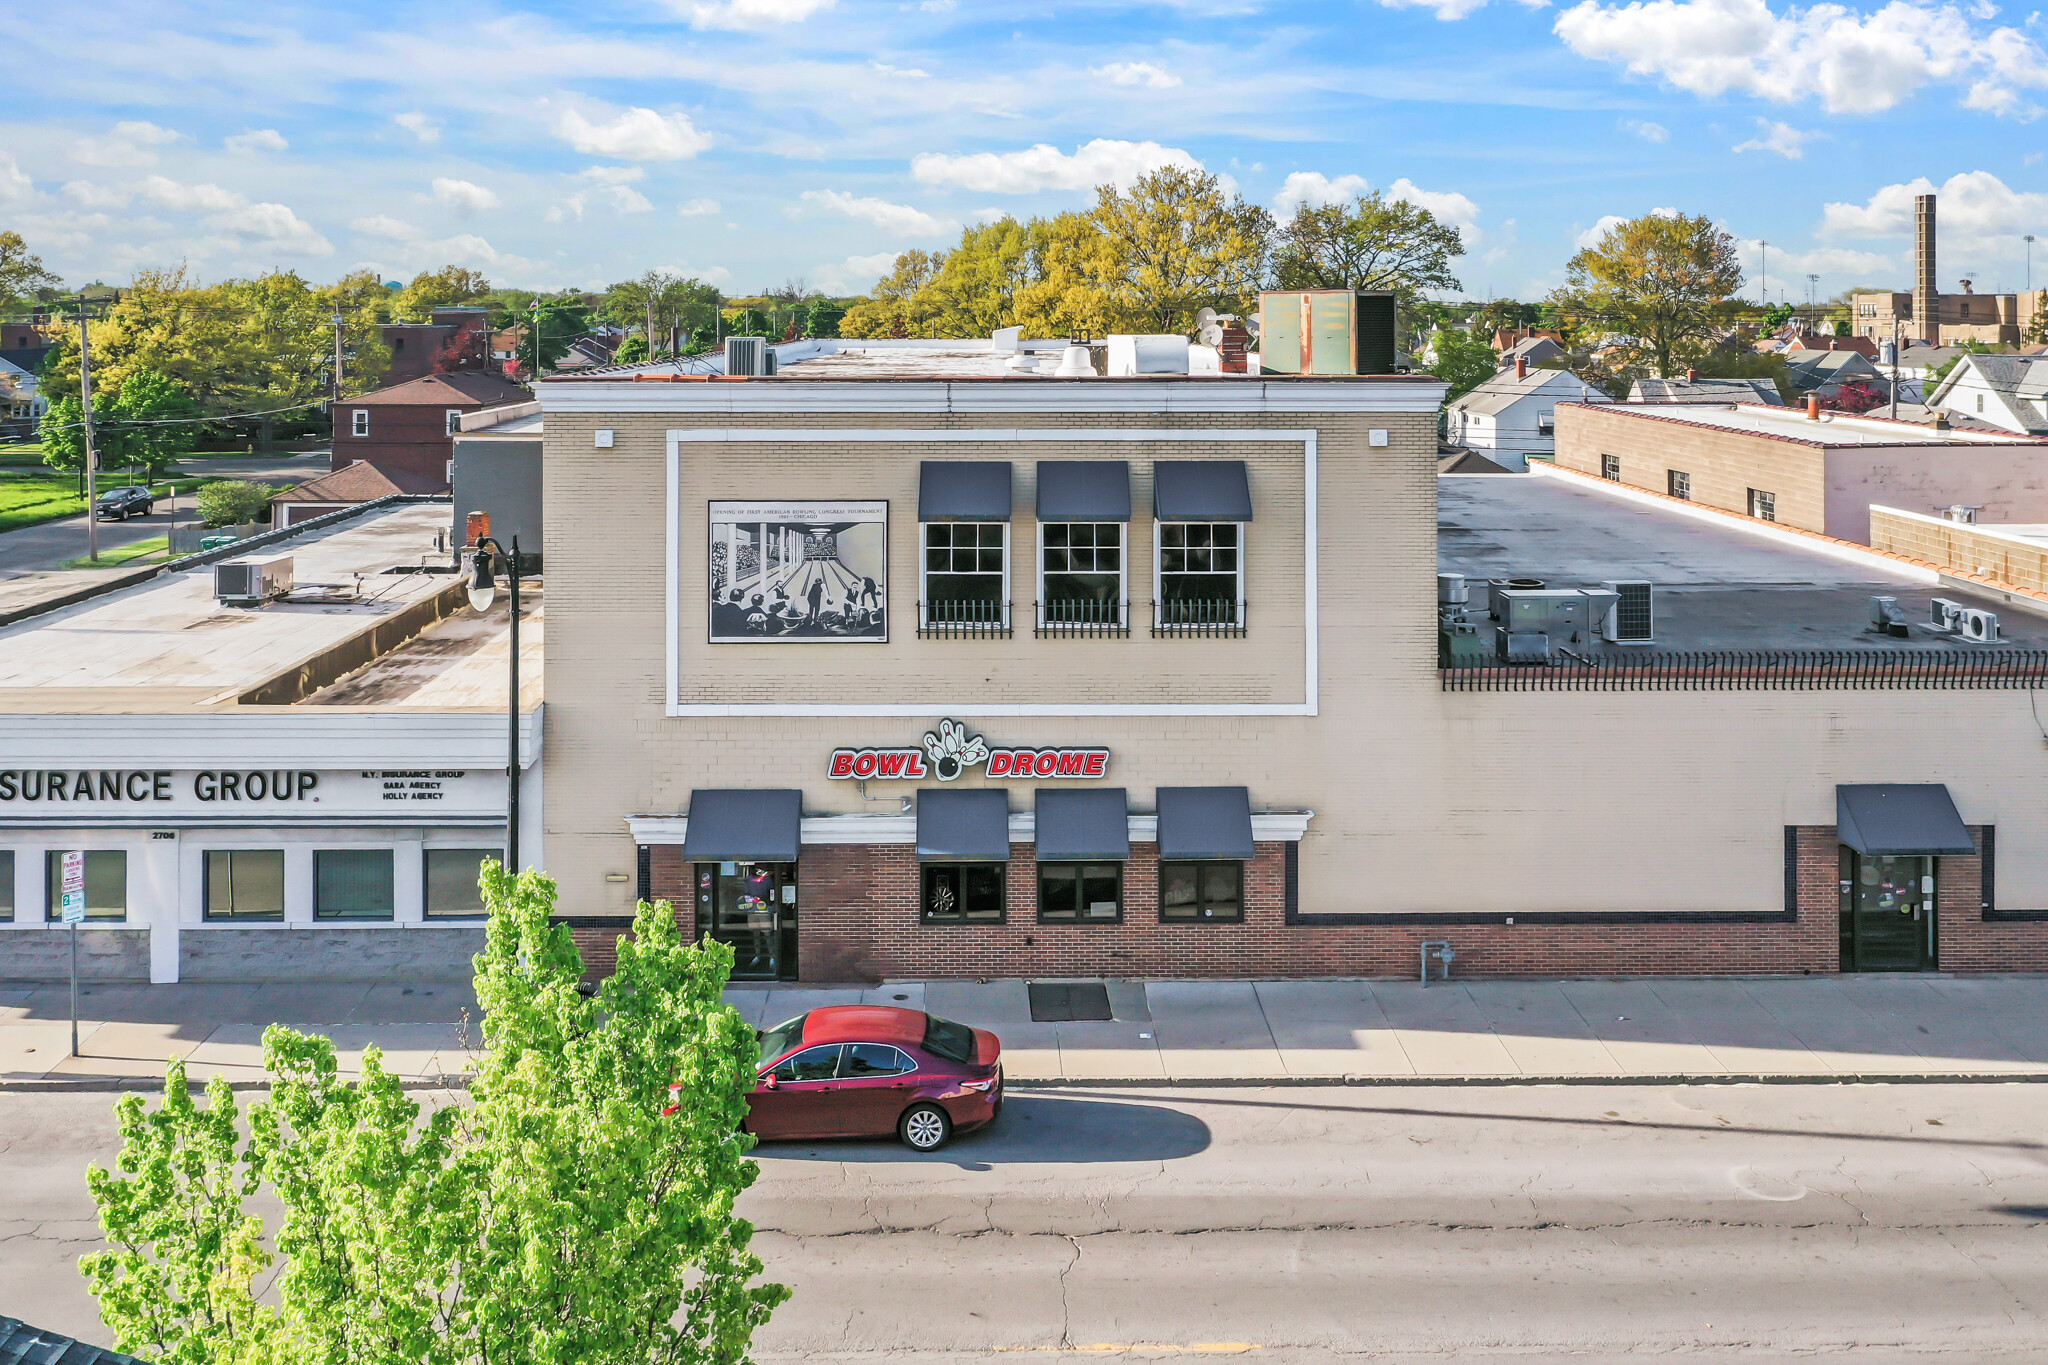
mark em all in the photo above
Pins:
pixel 390 229
pixel 636 135
pixel 613 175
pixel 901 219
pixel 1105 161
pixel 1136 73
pixel 1854 62
pixel 88 195
pixel 419 125
pixel 462 196
pixel 1975 208
pixel 1316 189
pixel 937 6
pixel 748 13
pixel 854 275
pixel 1591 236
pixel 1445 9
pixel 911 73
pixel 173 194
pixel 1647 131
pixel 697 208
pixel 128 145
pixel 14 182
pixel 614 188
pixel 256 140
pixel 1782 138
pixel 263 224
pixel 1447 206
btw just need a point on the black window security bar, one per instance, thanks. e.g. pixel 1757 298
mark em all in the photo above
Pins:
pixel 1837 670
pixel 1087 617
pixel 973 620
pixel 1200 618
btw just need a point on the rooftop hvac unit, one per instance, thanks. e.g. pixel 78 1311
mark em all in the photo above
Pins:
pixel 746 355
pixel 253 580
pixel 1326 331
pixel 1945 616
pixel 1496 586
pixel 1979 626
pixel 1631 619
pixel 771 360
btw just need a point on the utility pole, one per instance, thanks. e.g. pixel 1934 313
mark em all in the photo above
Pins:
pixel 334 401
pixel 536 339
pixel 1897 343
pixel 92 484
pixel 1763 270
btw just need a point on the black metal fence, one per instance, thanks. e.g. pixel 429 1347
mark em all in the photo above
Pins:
pixel 1087 617
pixel 1208 618
pixel 973 620
pixel 1787 671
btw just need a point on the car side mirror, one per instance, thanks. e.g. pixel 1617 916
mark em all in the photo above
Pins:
pixel 768 1081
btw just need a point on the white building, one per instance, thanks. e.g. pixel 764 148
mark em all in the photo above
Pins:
pixel 21 396
pixel 2009 392
pixel 1512 415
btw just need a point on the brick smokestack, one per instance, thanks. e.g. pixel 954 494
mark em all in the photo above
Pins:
pixel 1521 367
pixel 1926 293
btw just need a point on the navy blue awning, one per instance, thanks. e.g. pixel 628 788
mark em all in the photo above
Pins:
pixel 1205 823
pixel 963 490
pixel 1084 490
pixel 969 825
pixel 743 825
pixel 1201 490
pixel 1900 819
pixel 1091 826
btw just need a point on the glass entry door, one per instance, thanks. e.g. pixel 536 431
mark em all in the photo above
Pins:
pixel 1888 920
pixel 751 908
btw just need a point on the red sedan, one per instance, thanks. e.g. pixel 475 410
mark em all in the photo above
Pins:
pixel 872 1070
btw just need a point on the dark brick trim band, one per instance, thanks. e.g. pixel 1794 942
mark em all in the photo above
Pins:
pixel 1987 870
pixel 1290 881
pixel 645 859
pixel 1792 871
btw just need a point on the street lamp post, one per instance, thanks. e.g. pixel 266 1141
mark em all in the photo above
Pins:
pixel 483 591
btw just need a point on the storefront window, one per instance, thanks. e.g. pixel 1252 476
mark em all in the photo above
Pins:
pixel 1201 573
pixel 963 893
pixel 965 567
pixel 1081 893
pixel 106 884
pixel 451 882
pixel 245 884
pixel 1202 892
pixel 1082 572
pixel 6 885
pixel 352 883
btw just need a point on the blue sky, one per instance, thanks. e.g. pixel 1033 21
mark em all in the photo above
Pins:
pixel 751 141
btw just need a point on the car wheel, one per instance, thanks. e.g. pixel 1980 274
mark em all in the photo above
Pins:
pixel 924 1128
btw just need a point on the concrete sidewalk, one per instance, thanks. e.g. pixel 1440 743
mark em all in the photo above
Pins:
pixel 1171 1032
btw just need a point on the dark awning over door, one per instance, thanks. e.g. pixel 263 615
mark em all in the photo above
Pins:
pixel 1205 822
pixel 968 826
pixel 1092 826
pixel 1898 819
pixel 1201 490
pixel 1084 490
pixel 963 490
pixel 743 825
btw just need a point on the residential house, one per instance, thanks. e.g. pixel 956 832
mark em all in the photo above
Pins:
pixel 1535 350
pixel 22 404
pixel 1694 389
pixel 2009 392
pixel 358 483
pixel 452 341
pixel 1510 416
pixel 1825 372
pixel 1506 339
pixel 412 426
pixel 1805 343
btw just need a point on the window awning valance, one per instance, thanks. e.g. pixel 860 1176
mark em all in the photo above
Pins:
pixel 1197 823
pixel 963 490
pixel 1084 490
pixel 1082 826
pixel 743 825
pixel 1201 490
pixel 968 825
pixel 1900 819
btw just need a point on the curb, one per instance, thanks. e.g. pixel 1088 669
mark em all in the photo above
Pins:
pixel 70 1085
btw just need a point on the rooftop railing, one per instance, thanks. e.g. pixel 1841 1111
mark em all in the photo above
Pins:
pixel 1840 670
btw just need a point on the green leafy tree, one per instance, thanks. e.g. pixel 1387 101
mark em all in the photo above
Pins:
pixel 560 320
pixel 1177 243
pixel 823 318
pixel 632 349
pixel 1464 360
pixel 897 306
pixel 577 1210
pixel 149 423
pixel 63 435
pixel 752 322
pixel 1369 243
pixel 1728 363
pixel 21 270
pixel 1661 285
pixel 448 287
pixel 231 502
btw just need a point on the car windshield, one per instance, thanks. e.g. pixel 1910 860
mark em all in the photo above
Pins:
pixel 944 1038
pixel 781 1038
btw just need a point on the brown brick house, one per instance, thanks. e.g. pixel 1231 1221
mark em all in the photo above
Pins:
pixel 410 427
pixel 358 483
pixel 457 339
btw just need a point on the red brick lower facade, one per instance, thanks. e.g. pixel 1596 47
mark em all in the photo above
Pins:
pixel 859 922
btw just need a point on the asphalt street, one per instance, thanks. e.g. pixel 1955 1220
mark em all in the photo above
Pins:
pixel 1533 1223
pixel 52 543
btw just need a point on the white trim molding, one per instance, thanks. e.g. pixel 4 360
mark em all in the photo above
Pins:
pixel 265 737
pixel 1267 828
pixel 1164 397
pixel 1305 437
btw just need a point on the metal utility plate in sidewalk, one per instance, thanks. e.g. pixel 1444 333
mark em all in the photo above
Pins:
pixel 1065 1002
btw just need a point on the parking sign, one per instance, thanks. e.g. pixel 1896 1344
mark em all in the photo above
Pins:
pixel 71 885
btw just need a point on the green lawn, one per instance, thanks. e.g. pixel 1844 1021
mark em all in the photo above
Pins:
pixel 32 495
pixel 118 555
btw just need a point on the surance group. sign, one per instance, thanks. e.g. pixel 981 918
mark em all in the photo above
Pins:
pixel 950 749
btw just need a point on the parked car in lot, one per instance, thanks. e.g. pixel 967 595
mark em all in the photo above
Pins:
pixel 873 1070
pixel 119 504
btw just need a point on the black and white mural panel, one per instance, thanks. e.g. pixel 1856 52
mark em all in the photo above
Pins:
pixel 799 570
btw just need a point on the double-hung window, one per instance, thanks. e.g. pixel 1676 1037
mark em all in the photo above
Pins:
pixel 1202 510
pixel 963 510
pixel 1610 467
pixel 1678 484
pixel 359 423
pixel 1084 511
pixel 1763 506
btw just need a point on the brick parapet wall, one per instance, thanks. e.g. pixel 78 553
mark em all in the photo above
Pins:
pixel 859 908
pixel 1974 551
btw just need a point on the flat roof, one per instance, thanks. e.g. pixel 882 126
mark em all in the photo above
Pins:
pixel 1718 584
pixel 1833 428
pixel 167 644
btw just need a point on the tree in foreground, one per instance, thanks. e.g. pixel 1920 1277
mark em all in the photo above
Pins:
pixel 1464 360
pixel 1661 285
pixel 577 1209
pixel 231 502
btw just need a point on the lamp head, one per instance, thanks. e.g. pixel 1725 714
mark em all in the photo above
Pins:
pixel 483 590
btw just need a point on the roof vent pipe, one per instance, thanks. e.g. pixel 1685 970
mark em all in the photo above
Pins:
pixel 1813 407
pixel 1521 367
pixel 1692 376
pixel 1074 364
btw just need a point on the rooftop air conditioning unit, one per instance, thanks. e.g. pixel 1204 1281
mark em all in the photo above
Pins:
pixel 746 355
pixel 253 580
pixel 1979 626
pixel 1630 619
pixel 1945 616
